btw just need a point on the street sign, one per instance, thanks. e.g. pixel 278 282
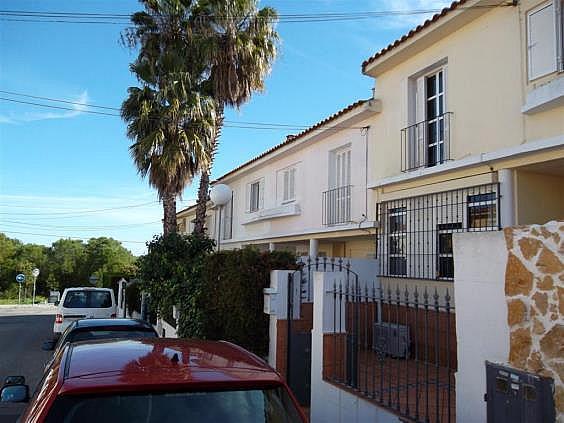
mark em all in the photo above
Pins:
pixel 35 272
pixel 20 278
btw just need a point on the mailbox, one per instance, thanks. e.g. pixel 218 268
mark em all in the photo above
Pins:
pixel 516 396
pixel 270 301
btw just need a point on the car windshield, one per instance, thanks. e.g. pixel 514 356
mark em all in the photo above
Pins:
pixel 245 406
pixel 84 335
pixel 88 299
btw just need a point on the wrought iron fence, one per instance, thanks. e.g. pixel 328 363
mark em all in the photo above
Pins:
pixel 426 143
pixel 396 348
pixel 307 265
pixel 415 233
pixel 336 207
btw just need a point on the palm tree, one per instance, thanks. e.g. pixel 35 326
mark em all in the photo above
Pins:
pixel 171 124
pixel 237 43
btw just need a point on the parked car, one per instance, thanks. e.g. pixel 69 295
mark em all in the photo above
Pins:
pixel 83 303
pixel 158 380
pixel 93 329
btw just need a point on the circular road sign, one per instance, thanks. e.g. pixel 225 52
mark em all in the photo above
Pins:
pixel 20 278
pixel 93 279
pixel 35 272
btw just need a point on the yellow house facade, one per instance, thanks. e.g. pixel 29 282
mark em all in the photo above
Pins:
pixel 471 134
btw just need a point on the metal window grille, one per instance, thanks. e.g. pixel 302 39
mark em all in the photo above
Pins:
pixel 415 235
pixel 336 205
pixel 397 349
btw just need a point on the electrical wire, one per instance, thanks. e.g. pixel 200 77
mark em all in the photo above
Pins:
pixel 78 228
pixel 83 212
pixel 227 124
pixel 68 237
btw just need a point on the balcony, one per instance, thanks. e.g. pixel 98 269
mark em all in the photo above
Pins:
pixel 426 143
pixel 337 205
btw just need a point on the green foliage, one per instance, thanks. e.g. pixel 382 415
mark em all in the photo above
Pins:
pixel 171 273
pixel 232 295
pixel 133 298
pixel 64 264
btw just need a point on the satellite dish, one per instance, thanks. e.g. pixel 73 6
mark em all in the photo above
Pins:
pixel 220 194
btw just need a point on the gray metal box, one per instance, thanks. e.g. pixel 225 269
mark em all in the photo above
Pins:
pixel 516 396
pixel 392 339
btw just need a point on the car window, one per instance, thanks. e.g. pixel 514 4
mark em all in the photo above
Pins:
pixel 84 335
pixel 88 299
pixel 243 406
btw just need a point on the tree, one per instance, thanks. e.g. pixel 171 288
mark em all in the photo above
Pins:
pixel 171 123
pixel 105 257
pixel 238 44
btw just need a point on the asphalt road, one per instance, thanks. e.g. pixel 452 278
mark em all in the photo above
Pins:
pixel 22 331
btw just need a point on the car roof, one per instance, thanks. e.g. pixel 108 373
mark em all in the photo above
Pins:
pixel 161 364
pixel 87 288
pixel 112 324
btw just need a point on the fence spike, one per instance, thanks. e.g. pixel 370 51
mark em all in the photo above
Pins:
pixel 425 297
pixel 316 262
pixel 436 299
pixel 397 293
pixel 340 261
pixel 406 295
pixel 332 264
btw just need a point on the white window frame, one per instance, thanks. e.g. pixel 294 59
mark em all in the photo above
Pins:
pixel 227 220
pixel 286 184
pixel 558 33
pixel 255 204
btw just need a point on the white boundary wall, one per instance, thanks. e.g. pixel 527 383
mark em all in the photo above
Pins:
pixel 481 317
pixel 329 403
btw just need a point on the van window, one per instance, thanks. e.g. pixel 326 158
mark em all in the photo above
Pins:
pixel 88 299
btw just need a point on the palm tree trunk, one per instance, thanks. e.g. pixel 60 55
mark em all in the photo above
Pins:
pixel 201 207
pixel 169 207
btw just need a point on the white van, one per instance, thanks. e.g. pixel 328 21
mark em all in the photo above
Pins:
pixel 83 303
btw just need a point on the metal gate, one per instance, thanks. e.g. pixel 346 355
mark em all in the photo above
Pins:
pixel 298 358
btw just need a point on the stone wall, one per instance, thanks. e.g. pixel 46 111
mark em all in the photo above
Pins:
pixel 534 288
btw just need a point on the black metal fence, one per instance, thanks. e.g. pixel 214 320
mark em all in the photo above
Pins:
pixel 307 265
pixel 415 234
pixel 396 348
pixel 336 207
pixel 426 143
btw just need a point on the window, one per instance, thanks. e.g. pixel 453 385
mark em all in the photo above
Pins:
pixel 255 196
pixel 415 233
pixel 445 259
pixel 340 168
pixel 482 211
pixel 287 185
pixel 545 39
pixel 397 241
pixel 434 115
pixel 227 211
pixel 88 299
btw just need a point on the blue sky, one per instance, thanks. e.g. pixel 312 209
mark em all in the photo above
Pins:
pixel 58 168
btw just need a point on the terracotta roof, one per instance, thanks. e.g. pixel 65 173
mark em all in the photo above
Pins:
pixel 292 138
pixel 412 33
pixel 289 140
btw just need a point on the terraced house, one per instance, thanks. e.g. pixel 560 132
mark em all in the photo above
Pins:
pixel 465 132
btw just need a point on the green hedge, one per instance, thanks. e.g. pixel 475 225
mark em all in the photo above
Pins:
pixel 232 295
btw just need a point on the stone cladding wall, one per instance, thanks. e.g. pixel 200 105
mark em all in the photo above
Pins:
pixel 534 289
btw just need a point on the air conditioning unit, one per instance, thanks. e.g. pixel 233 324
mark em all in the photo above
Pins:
pixel 391 339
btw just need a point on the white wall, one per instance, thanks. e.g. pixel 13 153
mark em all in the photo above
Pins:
pixel 481 317
pixel 330 404
pixel 312 179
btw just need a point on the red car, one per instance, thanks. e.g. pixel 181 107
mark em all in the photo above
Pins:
pixel 158 380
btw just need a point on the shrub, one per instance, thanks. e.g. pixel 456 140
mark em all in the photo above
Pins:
pixel 232 295
pixel 171 273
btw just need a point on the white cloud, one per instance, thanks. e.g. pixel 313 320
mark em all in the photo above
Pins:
pixel 23 117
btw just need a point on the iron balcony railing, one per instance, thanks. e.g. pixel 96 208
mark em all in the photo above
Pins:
pixel 394 347
pixel 426 143
pixel 337 205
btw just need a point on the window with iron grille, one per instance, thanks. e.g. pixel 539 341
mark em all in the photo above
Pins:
pixel 415 235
